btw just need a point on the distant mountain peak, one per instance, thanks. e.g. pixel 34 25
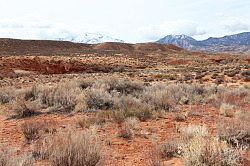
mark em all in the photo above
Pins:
pixel 183 41
pixel 91 38
pixel 180 36
pixel 237 42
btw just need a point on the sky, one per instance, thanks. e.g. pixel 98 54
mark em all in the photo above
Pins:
pixel 129 20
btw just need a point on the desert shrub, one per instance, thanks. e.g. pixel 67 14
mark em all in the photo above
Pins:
pixel 235 96
pixel 86 83
pixel 126 132
pixel 169 149
pixel 81 103
pixel 235 132
pixel 219 80
pixel 242 115
pixel 4 156
pixel 118 116
pixel 158 97
pixel 163 151
pixel 74 149
pixel 191 131
pixel 231 73
pixel 202 151
pixel 5 95
pixel 85 121
pixel 114 84
pixel 32 130
pixel 131 122
pixel 144 113
pixel 180 118
pixel 129 106
pixel 187 94
pixel 125 86
pixel 127 129
pixel 4 98
pixel 62 96
pixel 198 94
pixel 98 98
pixel 49 126
pixel 246 73
pixel 211 89
pixel 227 109
pixel 166 97
pixel 102 117
pixel 7 158
pixel 22 108
pixel 155 158
pixel 31 93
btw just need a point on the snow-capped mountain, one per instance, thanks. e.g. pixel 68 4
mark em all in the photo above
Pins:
pixel 183 41
pixel 238 42
pixel 91 38
pixel 237 39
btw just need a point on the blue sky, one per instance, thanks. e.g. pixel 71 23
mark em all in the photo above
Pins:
pixel 130 20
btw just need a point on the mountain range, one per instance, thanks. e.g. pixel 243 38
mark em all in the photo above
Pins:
pixel 232 43
pixel 91 38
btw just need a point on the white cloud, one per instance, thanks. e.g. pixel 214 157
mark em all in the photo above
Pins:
pixel 34 29
pixel 154 32
pixel 236 25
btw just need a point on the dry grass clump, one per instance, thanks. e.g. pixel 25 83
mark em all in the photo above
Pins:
pixel 59 97
pixel 98 98
pixel 180 117
pixel 235 96
pixel 5 95
pixel 8 158
pixel 74 149
pixel 166 97
pixel 30 93
pixel 21 102
pixel 191 131
pixel 22 108
pixel 125 86
pixel 242 115
pixel 155 158
pixel 164 151
pixel 86 83
pixel 127 130
pixel 169 149
pixel 235 132
pixel 159 97
pixel 199 148
pixel 86 122
pixel 129 106
pixel 227 110
pixel 4 98
pixel 62 96
pixel 33 130
pixel 4 156
pixel 102 93
pixel 202 151
pixel 81 104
